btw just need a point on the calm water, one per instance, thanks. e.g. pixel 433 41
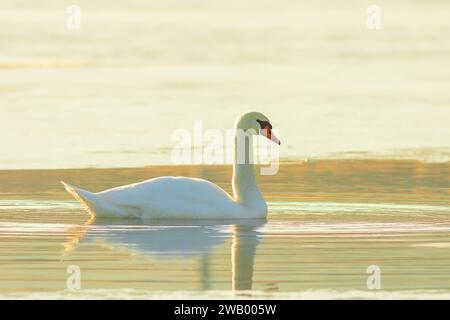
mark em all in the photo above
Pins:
pixel 328 221
pixel 112 93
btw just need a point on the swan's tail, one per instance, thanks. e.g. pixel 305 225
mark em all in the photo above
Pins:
pixel 86 198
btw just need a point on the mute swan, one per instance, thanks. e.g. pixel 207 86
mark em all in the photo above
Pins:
pixel 190 198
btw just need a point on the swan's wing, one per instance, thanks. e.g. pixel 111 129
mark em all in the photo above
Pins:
pixel 169 193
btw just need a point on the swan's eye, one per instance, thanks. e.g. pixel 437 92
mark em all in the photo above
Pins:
pixel 264 124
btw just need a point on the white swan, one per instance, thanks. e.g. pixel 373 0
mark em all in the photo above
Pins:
pixel 190 198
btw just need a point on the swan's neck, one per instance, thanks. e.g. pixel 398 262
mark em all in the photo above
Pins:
pixel 245 187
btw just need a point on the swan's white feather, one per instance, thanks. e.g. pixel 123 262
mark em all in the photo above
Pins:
pixel 164 198
pixel 186 198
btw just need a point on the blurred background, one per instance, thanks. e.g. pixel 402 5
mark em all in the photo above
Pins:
pixel 111 93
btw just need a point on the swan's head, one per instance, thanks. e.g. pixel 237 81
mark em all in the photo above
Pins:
pixel 256 123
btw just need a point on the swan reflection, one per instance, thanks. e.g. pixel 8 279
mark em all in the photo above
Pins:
pixel 180 239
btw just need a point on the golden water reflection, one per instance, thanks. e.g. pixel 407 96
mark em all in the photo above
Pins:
pixel 180 239
pixel 328 221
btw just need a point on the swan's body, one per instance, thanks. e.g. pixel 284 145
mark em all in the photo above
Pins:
pixel 166 198
pixel 185 198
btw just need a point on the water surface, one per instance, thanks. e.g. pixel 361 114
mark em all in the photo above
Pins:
pixel 112 93
pixel 325 227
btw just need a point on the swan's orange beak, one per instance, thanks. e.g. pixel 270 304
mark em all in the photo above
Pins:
pixel 270 135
